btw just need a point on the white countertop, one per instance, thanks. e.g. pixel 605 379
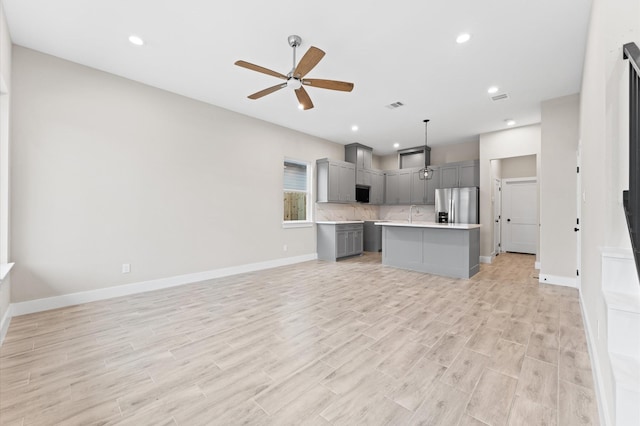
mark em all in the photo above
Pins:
pixel 430 225
pixel 338 222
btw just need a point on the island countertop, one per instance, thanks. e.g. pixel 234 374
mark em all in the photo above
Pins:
pixel 430 225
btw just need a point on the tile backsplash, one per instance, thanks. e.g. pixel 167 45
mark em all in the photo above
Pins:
pixel 334 212
pixel 331 212
pixel 420 213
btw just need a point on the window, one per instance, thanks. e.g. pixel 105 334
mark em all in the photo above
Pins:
pixel 297 193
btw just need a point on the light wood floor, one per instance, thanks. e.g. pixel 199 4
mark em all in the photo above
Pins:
pixel 316 343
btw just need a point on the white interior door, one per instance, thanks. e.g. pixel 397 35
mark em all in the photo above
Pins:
pixel 497 208
pixel 519 215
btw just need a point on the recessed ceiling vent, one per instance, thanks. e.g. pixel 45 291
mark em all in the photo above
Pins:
pixel 395 105
pixel 500 97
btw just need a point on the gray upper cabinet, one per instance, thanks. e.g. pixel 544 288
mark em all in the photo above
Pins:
pixel 449 176
pixel 404 186
pixel 418 188
pixel 424 191
pixel 469 174
pixel 398 187
pixel 391 187
pixel 460 175
pixel 358 154
pixel 432 185
pixel 336 181
pixel 376 186
pixel 404 181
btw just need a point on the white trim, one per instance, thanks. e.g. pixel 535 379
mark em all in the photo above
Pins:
pixel 537 265
pixel 5 268
pixel 4 325
pixel 486 259
pixel 603 408
pixel 558 280
pixel 520 180
pixel 310 195
pixel 45 304
pixel 297 224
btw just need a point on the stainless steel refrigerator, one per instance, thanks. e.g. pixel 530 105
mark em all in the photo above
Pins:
pixel 458 205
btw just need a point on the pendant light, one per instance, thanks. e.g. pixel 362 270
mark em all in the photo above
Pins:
pixel 425 173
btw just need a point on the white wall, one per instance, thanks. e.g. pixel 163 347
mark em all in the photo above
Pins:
pixel 107 171
pixel 5 76
pixel 464 151
pixel 558 250
pixel 495 146
pixel 518 167
pixel 389 162
pixel 604 152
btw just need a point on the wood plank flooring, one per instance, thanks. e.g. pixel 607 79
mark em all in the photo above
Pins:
pixel 317 343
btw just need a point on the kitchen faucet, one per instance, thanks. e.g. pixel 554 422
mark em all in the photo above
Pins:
pixel 411 213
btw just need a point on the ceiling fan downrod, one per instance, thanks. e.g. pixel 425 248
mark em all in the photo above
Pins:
pixel 294 41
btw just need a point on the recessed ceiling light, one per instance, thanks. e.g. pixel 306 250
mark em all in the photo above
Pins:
pixel 493 89
pixel 463 38
pixel 510 122
pixel 396 145
pixel 134 39
pixel 354 128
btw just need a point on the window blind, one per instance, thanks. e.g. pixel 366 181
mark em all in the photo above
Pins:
pixel 295 177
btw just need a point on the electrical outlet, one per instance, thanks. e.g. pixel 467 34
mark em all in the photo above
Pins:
pixel 126 268
pixel 284 248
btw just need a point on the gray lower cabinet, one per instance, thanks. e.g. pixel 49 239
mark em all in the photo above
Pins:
pixel 336 181
pixel 339 240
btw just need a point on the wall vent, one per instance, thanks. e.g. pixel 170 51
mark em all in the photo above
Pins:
pixel 395 105
pixel 500 97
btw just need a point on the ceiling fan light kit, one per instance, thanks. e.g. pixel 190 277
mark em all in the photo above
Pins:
pixel 295 78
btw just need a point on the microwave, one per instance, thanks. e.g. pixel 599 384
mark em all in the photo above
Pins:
pixel 362 193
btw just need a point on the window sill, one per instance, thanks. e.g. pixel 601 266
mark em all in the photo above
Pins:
pixel 4 270
pixel 297 224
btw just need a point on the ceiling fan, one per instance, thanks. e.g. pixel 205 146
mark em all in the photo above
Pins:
pixel 295 78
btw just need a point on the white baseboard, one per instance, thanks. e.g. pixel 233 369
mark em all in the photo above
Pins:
pixel 48 303
pixel 4 324
pixel 486 259
pixel 603 407
pixel 537 265
pixel 558 280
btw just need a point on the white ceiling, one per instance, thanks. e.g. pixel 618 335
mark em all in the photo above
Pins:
pixel 402 50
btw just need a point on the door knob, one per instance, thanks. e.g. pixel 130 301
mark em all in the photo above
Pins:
pixel 576 229
pixel 496 220
pixel 508 220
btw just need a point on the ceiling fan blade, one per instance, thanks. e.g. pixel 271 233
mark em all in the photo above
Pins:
pixel 308 61
pixel 258 68
pixel 265 92
pixel 328 84
pixel 304 99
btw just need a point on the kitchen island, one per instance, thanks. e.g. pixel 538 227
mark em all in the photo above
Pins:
pixel 448 249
